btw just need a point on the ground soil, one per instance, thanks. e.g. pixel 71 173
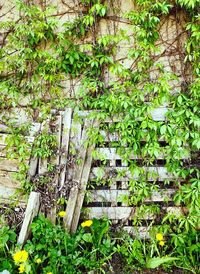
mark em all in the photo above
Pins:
pixel 12 216
pixel 117 267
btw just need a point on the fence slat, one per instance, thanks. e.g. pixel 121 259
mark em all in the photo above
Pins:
pixel 42 163
pixel 3 137
pixel 9 164
pixel 55 160
pixel 141 232
pixel 67 117
pixel 6 192
pixel 33 164
pixel 2 151
pixel 113 195
pixel 7 179
pixel 120 213
pixel 32 210
pixel 77 179
pixel 81 193
pixel 157 114
pixel 111 154
pixel 115 173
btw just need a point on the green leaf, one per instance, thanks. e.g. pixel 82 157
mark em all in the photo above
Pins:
pixel 156 262
pixel 87 237
pixel 163 129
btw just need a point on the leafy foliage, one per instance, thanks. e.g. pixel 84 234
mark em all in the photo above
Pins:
pixel 38 56
pixel 59 252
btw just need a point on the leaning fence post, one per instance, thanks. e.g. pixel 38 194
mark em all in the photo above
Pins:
pixel 32 210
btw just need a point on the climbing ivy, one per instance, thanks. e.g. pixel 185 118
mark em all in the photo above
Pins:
pixel 38 55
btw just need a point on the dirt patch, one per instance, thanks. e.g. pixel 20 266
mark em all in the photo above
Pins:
pixel 117 266
pixel 12 215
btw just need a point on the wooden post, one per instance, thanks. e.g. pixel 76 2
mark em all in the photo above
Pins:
pixel 65 143
pixel 72 201
pixel 33 161
pixel 32 210
pixel 56 161
pixel 75 140
pixel 82 189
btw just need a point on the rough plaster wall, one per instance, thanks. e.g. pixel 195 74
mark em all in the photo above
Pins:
pixel 171 42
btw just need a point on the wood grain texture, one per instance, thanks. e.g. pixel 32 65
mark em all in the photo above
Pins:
pixel 3 137
pixel 82 189
pixel 111 154
pixel 67 117
pixel 157 114
pixel 115 173
pixel 113 195
pixel 72 210
pixel 120 213
pixel 6 192
pixel 7 179
pixel 32 210
pixel 33 162
pixel 9 164
pixel 55 160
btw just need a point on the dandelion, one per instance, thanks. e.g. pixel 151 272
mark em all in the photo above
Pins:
pixel 20 256
pixel 38 261
pixel 159 236
pixel 21 268
pixel 161 243
pixel 87 223
pixel 62 214
pixel 49 273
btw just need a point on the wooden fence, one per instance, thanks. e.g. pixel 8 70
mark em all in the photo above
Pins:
pixel 70 130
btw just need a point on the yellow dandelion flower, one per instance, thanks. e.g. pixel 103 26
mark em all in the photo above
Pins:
pixel 62 214
pixel 20 256
pixel 21 268
pixel 87 223
pixel 38 261
pixel 159 236
pixel 161 243
pixel 49 273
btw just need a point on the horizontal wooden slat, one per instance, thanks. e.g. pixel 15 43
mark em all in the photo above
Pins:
pixel 9 164
pixel 115 136
pixel 111 154
pixel 35 127
pixel 117 213
pixel 3 128
pixel 6 192
pixel 7 179
pixel 115 173
pixel 113 213
pixel 109 137
pixel 2 151
pixel 142 232
pixel 10 194
pixel 111 195
pixel 3 136
pixel 20 201
pixel 157 114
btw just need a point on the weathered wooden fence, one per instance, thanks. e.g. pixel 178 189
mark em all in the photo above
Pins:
pixel 70 130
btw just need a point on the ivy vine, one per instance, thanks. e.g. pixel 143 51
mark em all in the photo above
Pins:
pixel 38 56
